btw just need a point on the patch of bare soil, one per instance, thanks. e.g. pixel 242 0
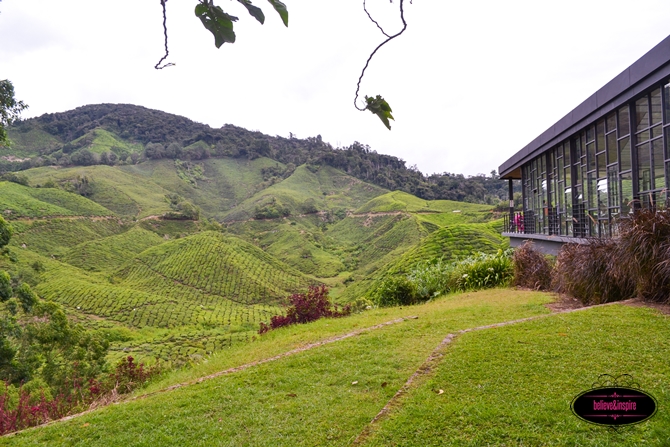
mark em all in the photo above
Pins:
pixel 564 302
pixel 662 308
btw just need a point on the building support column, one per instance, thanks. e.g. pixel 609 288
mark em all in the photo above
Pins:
pixel 511 205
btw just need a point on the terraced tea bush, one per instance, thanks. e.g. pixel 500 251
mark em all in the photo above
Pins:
pixel 531 268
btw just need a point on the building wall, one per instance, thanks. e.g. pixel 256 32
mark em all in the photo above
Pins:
pixel 581 186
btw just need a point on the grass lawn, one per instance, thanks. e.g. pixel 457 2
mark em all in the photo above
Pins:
pixel 504 386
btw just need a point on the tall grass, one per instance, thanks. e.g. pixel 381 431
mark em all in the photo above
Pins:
pixel 531 268
pixel 644 251
pixel 593 272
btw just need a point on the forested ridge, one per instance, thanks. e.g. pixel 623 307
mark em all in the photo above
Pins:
pixel 163 135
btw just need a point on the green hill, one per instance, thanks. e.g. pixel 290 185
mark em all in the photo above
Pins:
pixel 125 194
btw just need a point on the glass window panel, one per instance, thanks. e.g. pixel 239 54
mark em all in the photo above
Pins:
pixel 567 176
pixel 591 185
pixel 591 155
pixel 590 134
pixel 659 168
pixel 600 132
pixel 612 149
pixel 641 114
pixel 624 122
pixel 611 122
pixel 624 152
pixel 566 153
pixel 666 100
pixel 644 167
pixel 560 168
pixel 656 110
pixel 643 136
pixel 626 192
pixel 613 187
pixel 656 131
pixel 602 164
pixel 603 200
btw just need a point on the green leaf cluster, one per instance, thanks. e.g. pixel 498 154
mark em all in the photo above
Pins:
pixel 381 108
pixel 10 108
pixel 220 24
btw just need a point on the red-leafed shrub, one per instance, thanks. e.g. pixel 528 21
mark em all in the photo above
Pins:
pixel 25 410
pixel 306 307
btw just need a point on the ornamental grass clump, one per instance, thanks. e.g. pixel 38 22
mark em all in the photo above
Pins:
pixel 531 268
pixel 593 273
pixel 644 251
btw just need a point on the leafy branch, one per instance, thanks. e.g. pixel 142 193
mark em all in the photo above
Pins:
pixel 219 23
pixel 10 108
pixel 378 105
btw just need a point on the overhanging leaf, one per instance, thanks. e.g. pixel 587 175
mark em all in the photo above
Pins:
pixel 217 22
pixel 381 108
pixel 255 11
pixel 281 9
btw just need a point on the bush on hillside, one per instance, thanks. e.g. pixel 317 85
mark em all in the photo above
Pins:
pixel 483 271
pixel 430 279
pixel 531 268
pixel 593 272
pixel 306 307
pixel 396 290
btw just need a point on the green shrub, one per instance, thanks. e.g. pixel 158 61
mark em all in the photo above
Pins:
pixel 431 279
pixel 396 290
pixel 483 271
pixel 531 268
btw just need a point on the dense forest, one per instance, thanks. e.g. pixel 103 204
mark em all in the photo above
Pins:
pixel 164 135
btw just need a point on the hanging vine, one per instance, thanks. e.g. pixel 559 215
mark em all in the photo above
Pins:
pixel 220 24
pixel 377 104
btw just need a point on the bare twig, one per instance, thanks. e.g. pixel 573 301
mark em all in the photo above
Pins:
pixel 374 21
pixel 358 85
pixel 158 66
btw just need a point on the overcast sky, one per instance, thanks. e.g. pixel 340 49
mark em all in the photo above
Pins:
pixel 470 82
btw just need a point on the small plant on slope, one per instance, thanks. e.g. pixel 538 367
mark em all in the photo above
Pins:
pixel 306 307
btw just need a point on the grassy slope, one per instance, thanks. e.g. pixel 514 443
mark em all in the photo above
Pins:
pixel 125 194
pixel 505 386
pixel 105 141
pixel 21 201
pixel 29 143
pixel 327 189
pixel 226 182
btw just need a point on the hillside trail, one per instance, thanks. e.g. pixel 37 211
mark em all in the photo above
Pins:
pixel 424 369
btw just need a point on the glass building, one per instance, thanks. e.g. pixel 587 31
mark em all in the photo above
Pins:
pixel 608 156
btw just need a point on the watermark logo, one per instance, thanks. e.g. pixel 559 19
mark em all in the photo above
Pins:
pixel 614 401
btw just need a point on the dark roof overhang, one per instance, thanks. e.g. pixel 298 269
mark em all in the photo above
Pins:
pixel 650 69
